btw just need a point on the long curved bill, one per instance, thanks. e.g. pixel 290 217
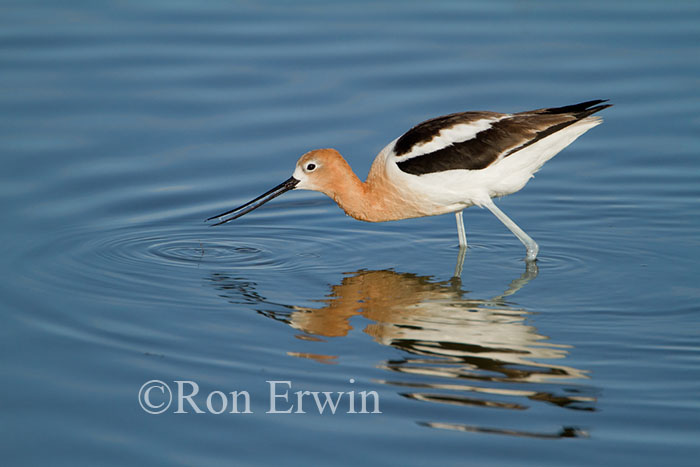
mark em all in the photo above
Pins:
pixel 227 216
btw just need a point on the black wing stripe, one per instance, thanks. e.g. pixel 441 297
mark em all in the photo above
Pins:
pixel 574 109
pixel 504 138
pixel 474 154
pixel 425 132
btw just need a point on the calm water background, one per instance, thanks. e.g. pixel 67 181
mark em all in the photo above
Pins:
pixel 125 124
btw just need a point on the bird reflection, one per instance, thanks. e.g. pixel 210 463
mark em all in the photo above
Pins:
pixel 456 349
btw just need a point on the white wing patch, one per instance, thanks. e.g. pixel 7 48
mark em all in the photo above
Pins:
pixel 454 134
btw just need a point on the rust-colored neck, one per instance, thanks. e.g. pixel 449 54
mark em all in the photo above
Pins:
pixel 378 199
pixel 353 196
pixel 375 200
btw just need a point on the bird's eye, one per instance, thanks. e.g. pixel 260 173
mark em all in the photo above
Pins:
pixel 310 167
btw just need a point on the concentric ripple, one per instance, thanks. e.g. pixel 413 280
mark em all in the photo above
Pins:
pixel 146 262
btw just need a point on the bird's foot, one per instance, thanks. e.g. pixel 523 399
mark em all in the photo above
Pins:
pixel 532 253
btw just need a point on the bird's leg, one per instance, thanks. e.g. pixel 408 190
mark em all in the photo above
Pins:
pixel 460 263
pixel 461 233
pixel 529 243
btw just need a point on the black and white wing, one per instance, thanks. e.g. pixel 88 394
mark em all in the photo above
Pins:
pixel 475 140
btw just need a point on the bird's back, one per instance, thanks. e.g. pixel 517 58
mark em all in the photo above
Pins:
pixel 456 160
pixel 475 140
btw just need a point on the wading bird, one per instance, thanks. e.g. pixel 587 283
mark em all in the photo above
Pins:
pixel 442 165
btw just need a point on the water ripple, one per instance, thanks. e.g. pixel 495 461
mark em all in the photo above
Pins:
pixel 135 259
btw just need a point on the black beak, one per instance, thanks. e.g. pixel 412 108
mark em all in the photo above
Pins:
pixel 257 202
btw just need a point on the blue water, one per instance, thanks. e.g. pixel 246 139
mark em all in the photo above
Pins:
pixel 123 125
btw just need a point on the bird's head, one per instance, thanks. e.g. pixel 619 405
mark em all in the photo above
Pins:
pixel 319 170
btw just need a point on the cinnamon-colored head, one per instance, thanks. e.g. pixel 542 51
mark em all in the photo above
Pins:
pixel 322 170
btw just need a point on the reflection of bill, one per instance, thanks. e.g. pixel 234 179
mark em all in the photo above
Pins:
pixel 457 350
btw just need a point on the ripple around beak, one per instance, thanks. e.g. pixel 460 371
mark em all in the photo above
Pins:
pixel 235 213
